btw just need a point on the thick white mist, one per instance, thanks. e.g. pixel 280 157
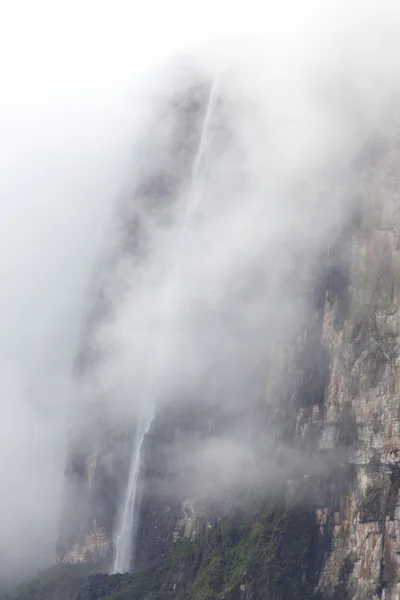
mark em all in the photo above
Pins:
pixel 73 87
pixel 124 540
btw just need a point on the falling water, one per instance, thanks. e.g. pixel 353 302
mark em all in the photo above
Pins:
pixel 128 519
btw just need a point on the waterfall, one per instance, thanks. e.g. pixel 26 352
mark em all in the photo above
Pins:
pixel 131 504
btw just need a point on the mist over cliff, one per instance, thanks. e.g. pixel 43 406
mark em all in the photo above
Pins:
pixel 101 118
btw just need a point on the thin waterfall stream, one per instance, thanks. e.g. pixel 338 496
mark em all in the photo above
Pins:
pixel 124 538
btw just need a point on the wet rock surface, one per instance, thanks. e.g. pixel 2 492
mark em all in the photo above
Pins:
pixel 341 406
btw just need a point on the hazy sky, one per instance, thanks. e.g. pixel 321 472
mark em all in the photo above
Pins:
pixel 73 82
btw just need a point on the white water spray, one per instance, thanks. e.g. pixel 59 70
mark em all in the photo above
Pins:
pixel 128 519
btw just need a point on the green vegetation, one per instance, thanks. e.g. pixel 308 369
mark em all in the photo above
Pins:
pixel 267 552
pixel 265 549
pixel 47 583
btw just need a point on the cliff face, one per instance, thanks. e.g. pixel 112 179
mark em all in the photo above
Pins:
pixel 360 409
pixel 341 408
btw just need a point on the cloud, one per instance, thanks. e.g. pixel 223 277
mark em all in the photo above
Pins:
pixel 81 90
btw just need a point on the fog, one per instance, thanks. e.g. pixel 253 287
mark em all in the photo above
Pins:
pixel 81 84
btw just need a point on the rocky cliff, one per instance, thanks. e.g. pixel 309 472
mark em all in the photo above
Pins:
pixel 360 402
pixel 329 524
